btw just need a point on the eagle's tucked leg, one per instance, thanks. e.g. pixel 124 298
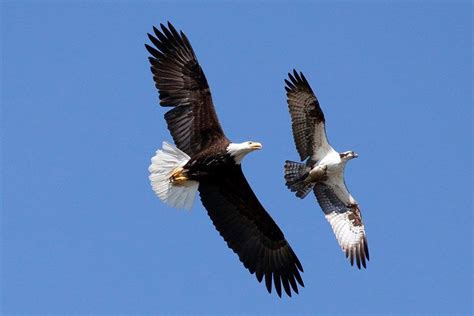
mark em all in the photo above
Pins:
pixel 178 176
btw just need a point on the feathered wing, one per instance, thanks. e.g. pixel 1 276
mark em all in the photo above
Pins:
pixel 307 118
pixel 343 213
pixel 193 121
pixel 250 231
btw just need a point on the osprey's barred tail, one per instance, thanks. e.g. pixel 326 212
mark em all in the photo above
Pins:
pixel 295 174
pixel 165 165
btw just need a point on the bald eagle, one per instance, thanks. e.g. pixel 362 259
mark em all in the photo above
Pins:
pixel 205 160
pixel 323 171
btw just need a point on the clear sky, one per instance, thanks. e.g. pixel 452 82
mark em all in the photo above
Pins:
pixel 82 231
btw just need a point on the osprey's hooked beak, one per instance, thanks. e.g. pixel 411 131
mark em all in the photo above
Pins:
pixel 256 146
pixel 355 155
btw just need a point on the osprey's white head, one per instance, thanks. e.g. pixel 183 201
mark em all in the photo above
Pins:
pixel 348 155
pixel 239 150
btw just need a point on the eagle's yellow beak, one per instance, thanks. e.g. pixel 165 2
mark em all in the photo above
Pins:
pixel 256 146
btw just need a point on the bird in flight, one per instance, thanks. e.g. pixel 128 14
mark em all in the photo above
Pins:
pixel 205 160
pixel 323 171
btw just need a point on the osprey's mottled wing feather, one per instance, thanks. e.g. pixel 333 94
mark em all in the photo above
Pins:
pixel 181 83
pixel 345 219
pixel 250 231
pixel 307 118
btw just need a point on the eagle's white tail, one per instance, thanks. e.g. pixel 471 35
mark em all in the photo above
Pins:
pixel 163 165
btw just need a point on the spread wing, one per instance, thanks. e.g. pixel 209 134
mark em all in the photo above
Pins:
pixel 193 121
pixel 307 118
pixel 343 213
pixel 250 231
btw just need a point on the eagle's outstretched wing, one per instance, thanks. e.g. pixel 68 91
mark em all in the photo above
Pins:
pixel 307 118
pixel 343 213
pixel 193 122
pixel 249 231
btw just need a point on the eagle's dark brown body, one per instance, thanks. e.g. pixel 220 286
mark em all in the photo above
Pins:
pixel 212 160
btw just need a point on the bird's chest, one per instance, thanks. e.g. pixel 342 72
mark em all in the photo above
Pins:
pixel 333 163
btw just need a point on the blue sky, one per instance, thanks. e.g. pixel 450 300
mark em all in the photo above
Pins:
pixel 82 231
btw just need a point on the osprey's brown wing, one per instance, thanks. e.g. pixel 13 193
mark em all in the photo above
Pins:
pixel 193 122
pixel 307 118
pixel 345 220
pixel 250 231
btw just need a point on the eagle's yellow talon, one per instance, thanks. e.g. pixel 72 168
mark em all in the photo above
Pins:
pixel 178 176
pixel 179 179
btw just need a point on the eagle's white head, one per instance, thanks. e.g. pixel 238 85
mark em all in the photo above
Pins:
pixel 239 150
pixel 348 155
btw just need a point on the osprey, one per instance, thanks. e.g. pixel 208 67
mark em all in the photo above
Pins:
pixel 323 171
pixel 205 160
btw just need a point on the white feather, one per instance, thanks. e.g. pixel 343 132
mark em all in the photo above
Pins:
pixel 346 233
pixel 163 164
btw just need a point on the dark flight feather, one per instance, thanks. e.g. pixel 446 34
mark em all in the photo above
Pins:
pixel 245 225
pixel 305 114
pixel 193 122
